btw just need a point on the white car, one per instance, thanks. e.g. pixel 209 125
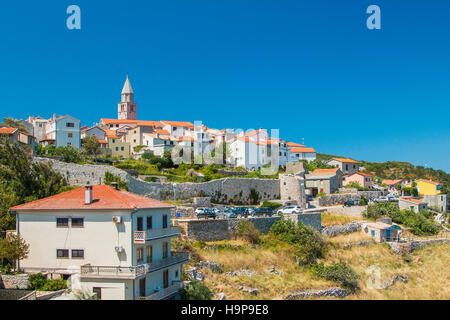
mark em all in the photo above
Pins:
pixel 199 210
pixel 290 210
pixel 382 199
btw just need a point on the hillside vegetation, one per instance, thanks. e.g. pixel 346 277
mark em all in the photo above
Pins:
pixel 426 268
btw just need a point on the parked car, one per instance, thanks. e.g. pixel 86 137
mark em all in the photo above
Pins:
pixel 259 212
pixel 200 210
pixel 382 199
pixel 349 203
pixel 240 211
pixel 290 210
pixel 393 198
pixel 229 214
pixel 249 211
pixel 207 214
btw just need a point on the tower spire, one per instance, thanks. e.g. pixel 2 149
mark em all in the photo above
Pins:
pixel 127 87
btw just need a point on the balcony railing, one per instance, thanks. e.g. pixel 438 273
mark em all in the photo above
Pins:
pixel 164 293
pixel 142 236
pixel 88 271
pixel 175 258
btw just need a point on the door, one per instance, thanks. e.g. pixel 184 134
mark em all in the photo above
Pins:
pixel 164 221
pixel 388 235
pixel 166 278
pixel 98 292
pixel 140 224
pixel 142 287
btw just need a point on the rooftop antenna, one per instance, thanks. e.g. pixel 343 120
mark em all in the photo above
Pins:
pixel 303 141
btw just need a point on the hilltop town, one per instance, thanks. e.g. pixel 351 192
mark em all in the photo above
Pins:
pixel 141 188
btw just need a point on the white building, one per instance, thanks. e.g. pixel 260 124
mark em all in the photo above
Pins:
pixel 179 129
pixel 110 242
pixel 301 153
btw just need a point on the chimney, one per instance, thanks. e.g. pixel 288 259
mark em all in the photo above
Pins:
pixel 88 195
pixel 115 185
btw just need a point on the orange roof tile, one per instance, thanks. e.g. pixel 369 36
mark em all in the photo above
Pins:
pixel 185 124
pixel 136 122
pixel 102 141
pixel 7 130
pixel 412 200
pixel 325 170
pixel 111 134
pixel 346 160
pixel 161 131
pixel 186 138
pixel 362 174
pixel 104 197
pixel 302 149
pixel 293 144
pixel 391 182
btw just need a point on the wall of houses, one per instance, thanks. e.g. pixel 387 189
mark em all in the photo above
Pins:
pixel 439 201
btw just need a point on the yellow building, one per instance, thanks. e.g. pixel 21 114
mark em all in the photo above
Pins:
pixel 428 187
pixel 116 145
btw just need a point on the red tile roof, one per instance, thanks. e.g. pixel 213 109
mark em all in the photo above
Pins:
pixel 7 130
pixel 186 138
pixel 293 144
pixel 136 122
pixel 320 171
pixel 391 182
pixel 412 200
pixel 184 124
pixel 302 149
pixel 346 160
pixel 104 197
pixel 362 174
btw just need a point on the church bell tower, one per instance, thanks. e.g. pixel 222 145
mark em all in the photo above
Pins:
pixel 127 108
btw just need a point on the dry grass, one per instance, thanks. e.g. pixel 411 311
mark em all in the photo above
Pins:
pixel 427 269
pixel 334 218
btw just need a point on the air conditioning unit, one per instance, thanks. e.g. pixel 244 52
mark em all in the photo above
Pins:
pixel 117 219
pixel 119 249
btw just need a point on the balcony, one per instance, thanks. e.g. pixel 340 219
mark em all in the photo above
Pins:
pixel 111 272
pixel 164 293
pixel 175 258
pixel 142 236
pixel 102 272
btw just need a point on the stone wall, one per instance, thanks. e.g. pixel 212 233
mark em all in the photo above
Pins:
pixel 202 202
pixel 338 198
pixel 18 281
pixel 222 229
pixel 6 294
pixel 227 190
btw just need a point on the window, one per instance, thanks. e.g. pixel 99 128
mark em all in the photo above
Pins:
pixel 69 144
pixel 77 222
pixel 373 232
pixel 62 253
pixel 122 148
pixel 149 223
pixel 165 250
pixel 117 148
pixel 70 125
pixel 70 135
pixel 114 140
pixel 176 273
pixel 77 254
pixel 164 221
pixel 149 250
pixel 62 222
pixel 140 254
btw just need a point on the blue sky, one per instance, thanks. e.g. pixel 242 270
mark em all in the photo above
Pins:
pixel 311 69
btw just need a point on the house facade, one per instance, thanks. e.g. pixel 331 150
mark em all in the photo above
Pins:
pixel 428 187
pixel 109 242
pixel 323 181
pixel 361 178
pixel 302 153
pixel 412 204
pixel 64 131
pixel 347 166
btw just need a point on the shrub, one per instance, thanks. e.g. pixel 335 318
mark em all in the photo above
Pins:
pixel 309 242
pixel 363 201
pixel 338 272
pixel 110 178
pixel 40 283
pixel 246 229
pixel 272 205
pixel 196 290
pixel 254 196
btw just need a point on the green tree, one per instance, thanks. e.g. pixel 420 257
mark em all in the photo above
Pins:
pixel 22 181
pixel 13 248
pixel 91 145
